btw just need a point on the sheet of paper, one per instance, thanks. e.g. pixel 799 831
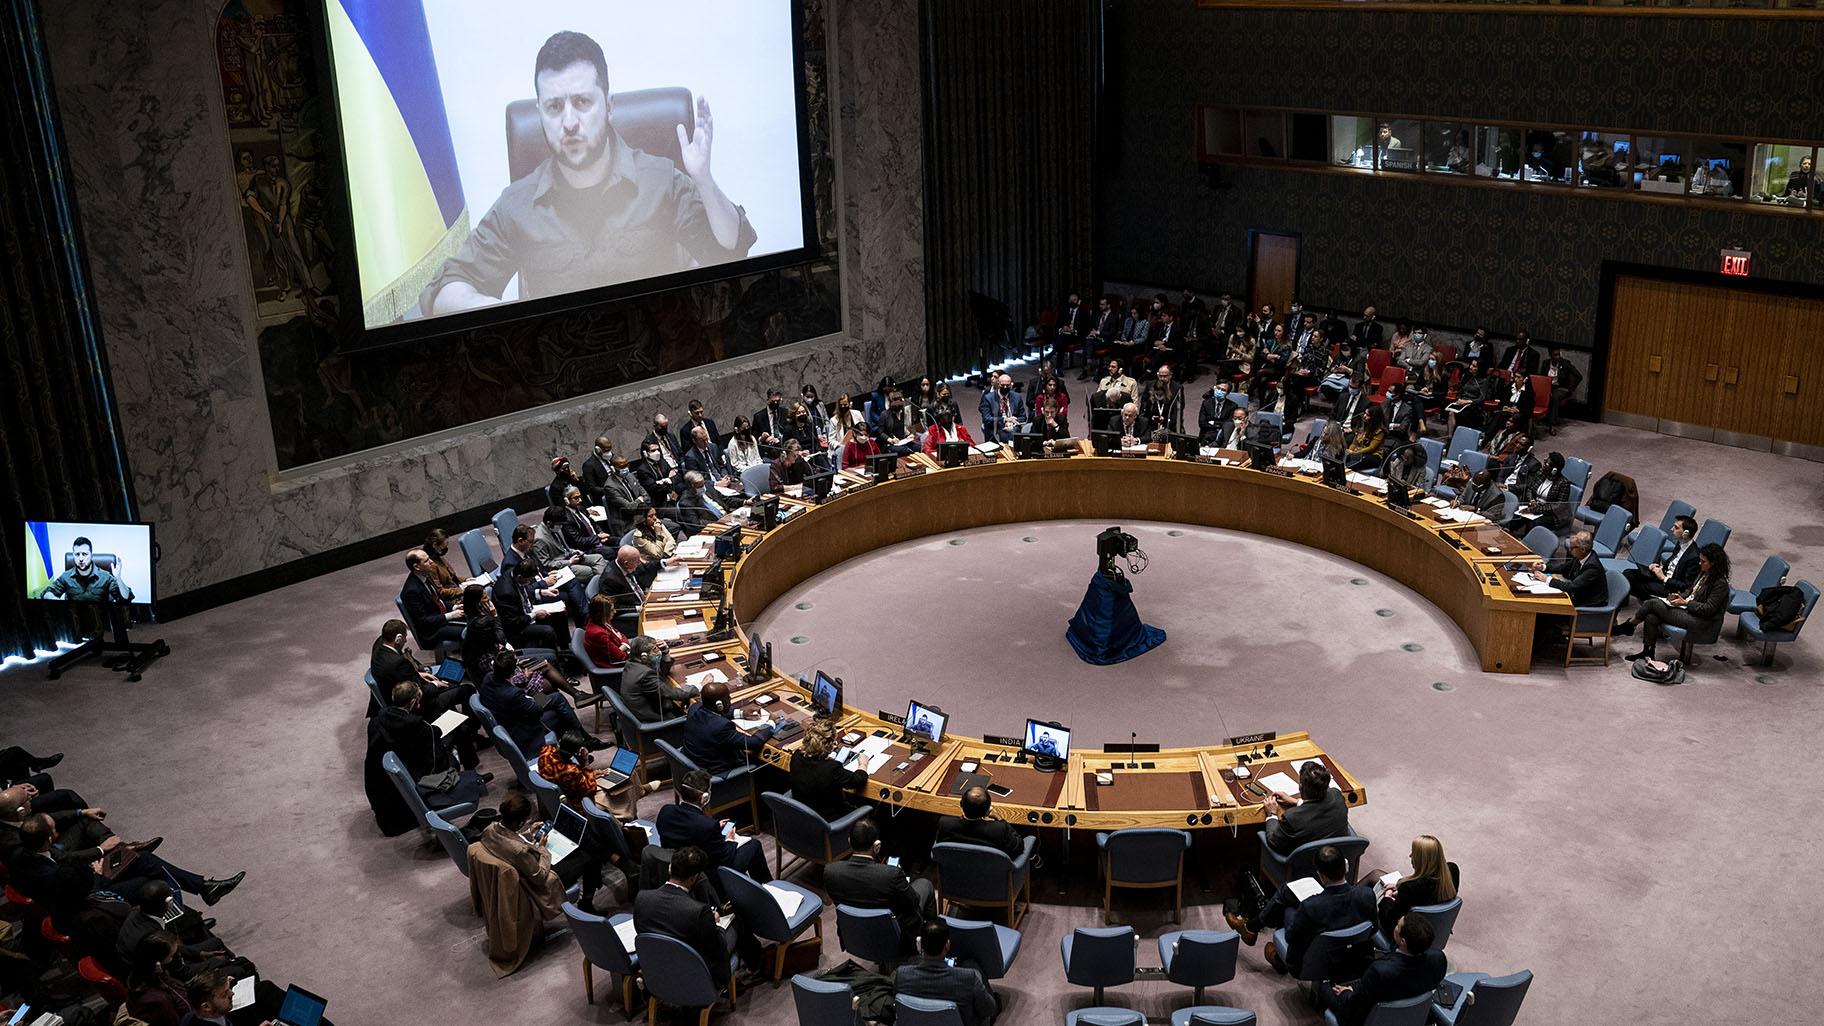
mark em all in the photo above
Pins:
pixel 549 608
pixel 1435 502
pixel 564 575
pixel 1207 450
pixel 875 762
pixel 481 581
pixel 684 596
pixel 671 578
pixel 788 900
pixel 624 930
pixel 722 922
pixel 243 992
pixel 872 746
pixel 795 491
pixel 988 448
pixel 1279 783
pixel 697 680
pixel 449 721
pixel 598 512
pixel 1304 887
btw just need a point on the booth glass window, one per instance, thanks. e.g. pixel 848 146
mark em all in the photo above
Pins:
pixel 1221 132
pixel 1606 161
pixel 1661 164
pixel 1783 174
pixel 1399 143
pixel 1498 152
pixel 1719 169
pixel 1308 137
pixel 1264 134
pixel 1450 147
pixel 1549 156
pixel 1352 141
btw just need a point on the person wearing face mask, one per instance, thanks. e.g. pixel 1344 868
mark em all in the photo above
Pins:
pixel 946 430
pixel 1003 411
pixel 1546 503
pixel 1416 350
pixel 687 823
pixel 1431 383
pixel 597 470
pixel 802 428
pixel 743 449
pixel 789 469
pixel 646 683
pixel 524 717
pixel 1213 413
pixel 899 425
pixel 621 495
pixel 820 418
pixel 770 420
pixel 656 475
pixel 661 435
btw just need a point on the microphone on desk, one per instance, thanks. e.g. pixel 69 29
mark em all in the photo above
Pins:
pixel 1133 761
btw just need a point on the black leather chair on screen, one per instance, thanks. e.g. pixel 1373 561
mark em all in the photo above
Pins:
pixel 646 118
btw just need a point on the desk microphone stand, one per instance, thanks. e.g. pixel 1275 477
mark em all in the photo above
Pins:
pixel 131 656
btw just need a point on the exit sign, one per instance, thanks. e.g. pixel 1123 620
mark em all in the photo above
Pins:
pixel 1736 261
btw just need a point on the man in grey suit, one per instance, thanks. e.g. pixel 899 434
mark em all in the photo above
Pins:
pixel 646 682
pixel 1317 813
pixel 1482 495
pixel 864 880
pixel 930 977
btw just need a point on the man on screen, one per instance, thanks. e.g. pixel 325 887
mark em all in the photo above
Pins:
pixel 597 211
pixel 86 582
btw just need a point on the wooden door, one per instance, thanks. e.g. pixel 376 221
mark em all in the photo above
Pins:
pixel 1796 404
pixel 1638 323
pixel 1272 270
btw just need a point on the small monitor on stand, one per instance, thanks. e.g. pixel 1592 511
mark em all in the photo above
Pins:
pixel 881 467
pixel 1048 744
pixel 759 659
pixel 1028 445
pixel 925 723
pixel 765 513
pixel 1335 473
pixel 952 454
pixel 1106 443
pixel 1260 457
pixel 826 695
pixel 1397 496
pixel 1183 446
pixel 728 543
pixel 820 485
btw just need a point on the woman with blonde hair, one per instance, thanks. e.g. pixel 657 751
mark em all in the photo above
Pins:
pixel 818 780
pixel 1433 881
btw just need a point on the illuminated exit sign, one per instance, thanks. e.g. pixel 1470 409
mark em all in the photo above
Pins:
pixel 1736 261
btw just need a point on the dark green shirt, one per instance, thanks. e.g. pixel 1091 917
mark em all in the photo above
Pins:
pixel 98 586
pixel 646 218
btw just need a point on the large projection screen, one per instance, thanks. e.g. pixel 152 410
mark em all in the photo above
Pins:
pixel 492 173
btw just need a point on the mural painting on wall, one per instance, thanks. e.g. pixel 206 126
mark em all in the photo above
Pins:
pixel 325 401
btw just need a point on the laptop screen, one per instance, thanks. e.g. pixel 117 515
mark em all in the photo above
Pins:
pixel 450 670
pixel 301 1008
pixel 570 823
pixel 625 759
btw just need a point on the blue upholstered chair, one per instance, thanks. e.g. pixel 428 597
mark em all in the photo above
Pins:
pixel 1442 917
pixel 1213 1015
pixel 1144 857
pixel 380 702
pixel 408 789
pixel 1199 958
pixel 1674 509
pixel 756 479
pixel 1278 421
pixel 909 1010
pixel 1542 540
pixel 1098 957
pixel 602 679
pixel 475 551
pixel 1464 441
pixel 676 975
pixel 454 844
pixel 1434 454
pixel 515 758
pixel 1412 1011
pixel 1333 954
pixel 727 789
pixel 991 946
pixel 824 1003
pixel 1751 623
pixel 1643 553
pixel 482 713
pixel 971 874
pixel 799 830
pixel 1302 860
pixel 617 838
pixel 1773 572
pixel 1105 1017
pixel 1597 623
pixel 643 736
pixel 870 934
pixel 548 794
pixel 600 945
pixel 1610 530
pixel 763 915
pixel 1510 504
pixel 1497 999
pixel 1714 532
pixel 504 522
pixel 1577 472
pixel 437 651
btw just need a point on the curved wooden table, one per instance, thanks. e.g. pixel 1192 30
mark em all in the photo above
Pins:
pixel 1185 787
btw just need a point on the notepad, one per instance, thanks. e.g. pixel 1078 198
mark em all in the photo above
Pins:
pixel 243 992
pixel 674 631
pixel 548 608
pixel 449 721
pixel 1305 887
pixel 1387 880
pixel 697 680
pixel 561 576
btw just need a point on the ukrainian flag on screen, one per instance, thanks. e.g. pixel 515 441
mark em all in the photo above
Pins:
pixel 404 190
pixel 38 573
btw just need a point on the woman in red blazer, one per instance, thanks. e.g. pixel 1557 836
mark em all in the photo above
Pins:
pixel 604 642
pixel 946 430
pixel 859 447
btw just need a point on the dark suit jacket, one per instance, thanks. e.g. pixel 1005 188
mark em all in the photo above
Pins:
pixel 686 426
pixel 1370 333
pixel 1392 977
pixel 768 421
pixel 712 463
pixel 623 499
pixel 1529 360
pixel 825 786
pixel 989 833
pixel 424 609
pixel 673 912
pixel 1682 575
pixel 390 666
pixel 667 439
pixel 1309 821
pixel 595 475
pixel 693 514
pixel 656 479
pixel 615 580
pixel 516 711
pixel 509 605
pixel 712 741
pixel 1585 582
pixel 1162 411
pixel 931 978
pixel 682 825
pixel 1333 908
pixel 651 696
pixel 1108 325
pixel 864 883
pixel 1213 417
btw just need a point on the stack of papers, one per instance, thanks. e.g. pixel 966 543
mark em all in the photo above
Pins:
pixel 1435 502
pixel 548 608
pixel 674 631
pixel 1303 466
pixel 1532 584
pixel 1375 484
pixel 243 992
pixel 483 580
pixel 671 578
pixel 695 548
pixel 598 512
pixel 726 493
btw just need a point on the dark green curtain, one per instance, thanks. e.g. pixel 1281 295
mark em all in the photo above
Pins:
pixel 1010 150
pixel 60 457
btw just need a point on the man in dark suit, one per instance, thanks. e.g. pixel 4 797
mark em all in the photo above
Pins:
pixel 930 977
pixel 432 620
pixel 1673 576
pixel 1521 357
pixel 657 474
pixel 390 663
pixel 1106 330
pixel 1162 404
pixel 1369 329
pixel 36 868
pixel 597 470
pixel 520 549
pixel 678 910
pixel 1318 812
pixel 516 597
pixel 772 420
pixel 695 419
pixel 526 719
pixel 660 434
pixel 695 509
pixel 578 532
pixel 646 682
pixel 1411 969
pixel 627 578
pixel 683 823
pixel 1213 413
pixel 1348 409
pixel 974 827
pixel 1073 318
pixel 1404 414
pixel 706 458
pixel 1580 574
pixel 1565 379
pixel 711 739
pixel 1339 905
pixel 623 498
pixel 1003 411
pixel 864 880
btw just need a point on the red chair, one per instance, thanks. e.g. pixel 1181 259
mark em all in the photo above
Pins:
pixel 1390 376
pixel 1542 395
pixel 1446 353
pixel 111 990
pixel 60 940
pixel 1378 359
pixel 25 904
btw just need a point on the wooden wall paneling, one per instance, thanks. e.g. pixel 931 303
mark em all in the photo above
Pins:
pixel 1694 332
pixel 1635 335
pixel 1273 271
pixel 1750 323
pixel 1799 415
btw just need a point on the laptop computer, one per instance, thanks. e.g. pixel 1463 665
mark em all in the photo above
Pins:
pixel 620 768
pixel 450 671
pixel 300 1008
pixel 565 834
